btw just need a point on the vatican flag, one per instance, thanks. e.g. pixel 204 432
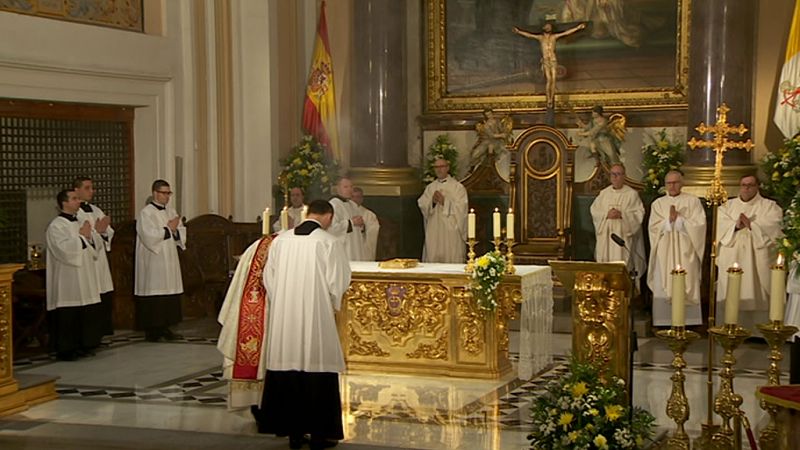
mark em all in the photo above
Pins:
pixel 787 113
pixel 319 110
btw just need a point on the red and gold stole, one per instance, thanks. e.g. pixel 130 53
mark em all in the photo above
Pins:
pixel 252 308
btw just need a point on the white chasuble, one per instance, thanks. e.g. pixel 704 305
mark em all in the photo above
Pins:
pixel 629 227
pixel 445 223
pixel 71 276
pixel 753 249
pixel 343 228
pixel 243 338
pixel 369 234
pixel 305 276
pixel 676 243
pixel 158 269
pixel 92 213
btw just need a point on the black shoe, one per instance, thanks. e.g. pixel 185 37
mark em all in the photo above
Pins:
pixel 297 442
pixel 67 356
pixel 170 336
pixel 319 444
pixel 86 352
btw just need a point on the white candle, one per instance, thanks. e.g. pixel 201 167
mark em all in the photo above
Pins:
pixel 265 222
pixel 471 224
pixel 303 213
pixel 510 224
pixel 732 297
pixel 678 297
pixel 496 223
pixel 777 293
pixel 284 219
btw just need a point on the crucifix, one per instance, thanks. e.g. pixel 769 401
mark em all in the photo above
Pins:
pixel 716 196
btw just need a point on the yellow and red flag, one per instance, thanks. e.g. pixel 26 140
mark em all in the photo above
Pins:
pixel 319 110
pixel 787 112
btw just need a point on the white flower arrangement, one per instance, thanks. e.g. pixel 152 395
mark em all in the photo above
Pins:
pixel 486 277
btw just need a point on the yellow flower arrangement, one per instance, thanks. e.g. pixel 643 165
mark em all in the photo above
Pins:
pixel 308 167
pixel 660 156
pixel 489 270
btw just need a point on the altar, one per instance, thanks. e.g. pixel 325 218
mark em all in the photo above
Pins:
pixel 423 320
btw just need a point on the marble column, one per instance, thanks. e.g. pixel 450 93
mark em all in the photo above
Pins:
pixel 379 124
pixel 721 67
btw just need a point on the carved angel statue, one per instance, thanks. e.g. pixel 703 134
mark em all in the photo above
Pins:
pixel 604 136
pixel 493 135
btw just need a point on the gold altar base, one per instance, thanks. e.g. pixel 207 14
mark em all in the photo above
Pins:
pixel 425 324
pixel 776 334
pixel 678 339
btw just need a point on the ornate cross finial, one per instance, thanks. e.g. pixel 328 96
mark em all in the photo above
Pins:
pixel 720 144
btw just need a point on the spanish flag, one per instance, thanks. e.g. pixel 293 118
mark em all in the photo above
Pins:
pixel 319 110
pixel 787 113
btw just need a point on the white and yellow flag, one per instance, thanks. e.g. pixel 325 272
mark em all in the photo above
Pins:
pixel 787 112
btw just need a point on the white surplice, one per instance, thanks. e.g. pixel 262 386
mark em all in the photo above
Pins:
pixel 294 213
pixel 240 394
pixel 305 277
pixel 679 243
pixel 101 263
pixel 753 249
pixel 445 224
pixel 71 276
pixel 629 227
pixel 158 269
pixel 370 234
pixel 343 228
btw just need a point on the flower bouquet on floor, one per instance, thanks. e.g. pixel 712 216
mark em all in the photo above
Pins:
pixel 486 277
pixel 582 410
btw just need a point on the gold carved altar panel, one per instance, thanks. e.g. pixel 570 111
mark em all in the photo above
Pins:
pixel 425 324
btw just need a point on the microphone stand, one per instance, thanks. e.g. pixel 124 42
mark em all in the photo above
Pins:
pixel 633 344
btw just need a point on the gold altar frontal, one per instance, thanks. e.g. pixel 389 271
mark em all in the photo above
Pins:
pixel 425 323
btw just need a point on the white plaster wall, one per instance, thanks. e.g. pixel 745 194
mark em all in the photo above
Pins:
pixel 47 59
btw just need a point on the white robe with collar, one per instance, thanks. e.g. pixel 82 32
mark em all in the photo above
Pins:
pixel 681 242
pixel 629 227
pixel 71 276
pixel 101 263
pixel 445 224
pixel 158 269
pixel 370 233
pixel 305 277
pixel 343 228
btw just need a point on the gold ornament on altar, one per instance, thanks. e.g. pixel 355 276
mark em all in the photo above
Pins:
pixel 399 263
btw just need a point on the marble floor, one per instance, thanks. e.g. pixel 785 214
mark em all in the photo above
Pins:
pixel 137 394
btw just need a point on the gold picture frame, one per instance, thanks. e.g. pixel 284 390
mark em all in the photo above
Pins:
pixel 447 32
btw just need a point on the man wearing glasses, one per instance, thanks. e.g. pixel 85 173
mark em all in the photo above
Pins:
pixel 444 210
pixel 158 285
pixel 747 227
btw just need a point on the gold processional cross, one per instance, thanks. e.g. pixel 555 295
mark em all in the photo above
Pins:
pixel 717 194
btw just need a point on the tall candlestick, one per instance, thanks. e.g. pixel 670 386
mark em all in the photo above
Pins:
pixel 679 297
pixel 284 219
pixel 777 293
pixel 496 223
pixel 471 224
pixel 510 224
pixel 732 297
pixel 265 222
pixel 304 213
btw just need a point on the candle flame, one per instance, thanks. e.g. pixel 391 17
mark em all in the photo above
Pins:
pixel 285 208
pixel 678 267
pixel 472 210
pixel 497 210
pixel 779 262
pixel 510 211
pixel 735 265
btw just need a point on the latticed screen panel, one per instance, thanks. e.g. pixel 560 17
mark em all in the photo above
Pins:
pixel 41 152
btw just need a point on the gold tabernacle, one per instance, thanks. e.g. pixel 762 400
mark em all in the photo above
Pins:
pixel 398 263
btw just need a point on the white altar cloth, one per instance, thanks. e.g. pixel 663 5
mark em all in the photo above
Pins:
pixel 536 321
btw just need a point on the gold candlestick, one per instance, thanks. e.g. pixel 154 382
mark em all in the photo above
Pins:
pixel 470 267
pixel 775 333
pixel 727 402
pixel 678 339
pixel 497 241
pixel 510 269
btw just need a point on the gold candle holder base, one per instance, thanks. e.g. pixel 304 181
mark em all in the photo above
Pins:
pixel 470 267
pixel 497 242
pixel 727 402
pixel 510 269
pixel 678 339
pixel 776 334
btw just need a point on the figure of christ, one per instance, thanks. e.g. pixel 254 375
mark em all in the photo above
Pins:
pixel 547 40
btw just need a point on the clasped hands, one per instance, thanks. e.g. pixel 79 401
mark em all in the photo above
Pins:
pixel 438 197
pixel 742 222
pixel 614 213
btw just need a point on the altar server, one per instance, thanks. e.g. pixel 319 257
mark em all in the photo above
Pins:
pixel 677 231
pixel 158 283
pixel 73 298
pixel 747 227
pixel 618 211
pixel 101 223
pixel 307 273
pixel 347 223
pixel 444 210
pixel 372 227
